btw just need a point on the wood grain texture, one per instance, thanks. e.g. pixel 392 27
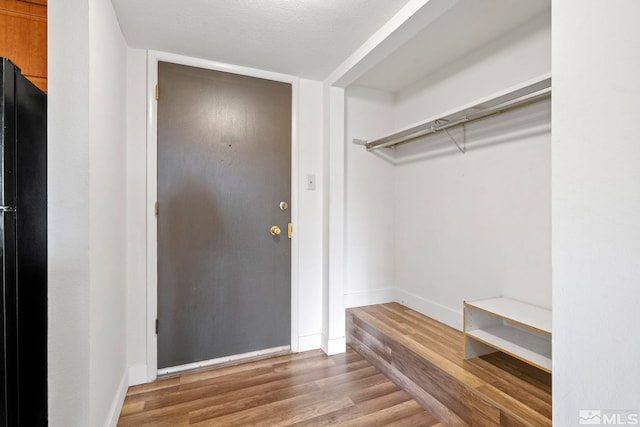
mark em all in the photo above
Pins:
pixel 303 389
pixel 36 8
pixel 425 358
pixel 23 38
pixel 35 2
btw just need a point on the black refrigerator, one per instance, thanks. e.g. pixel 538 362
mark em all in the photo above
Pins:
pixel 23 249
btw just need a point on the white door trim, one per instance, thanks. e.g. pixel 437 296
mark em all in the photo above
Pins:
pixel 153 57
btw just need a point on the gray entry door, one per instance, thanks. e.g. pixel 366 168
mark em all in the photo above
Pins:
pixel 224 167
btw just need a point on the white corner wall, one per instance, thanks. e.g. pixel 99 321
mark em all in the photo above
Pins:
pixel 87 358
pixel 369 201
pixel 107 208
pixel 596 206
pixel 136 224
pixel 334 315
pixel 309 227
pixel 68 213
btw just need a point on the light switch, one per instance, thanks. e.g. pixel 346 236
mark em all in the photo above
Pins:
pixel 311 182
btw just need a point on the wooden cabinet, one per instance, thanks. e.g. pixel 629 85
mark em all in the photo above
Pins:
pixel 23 37
pixel 513 327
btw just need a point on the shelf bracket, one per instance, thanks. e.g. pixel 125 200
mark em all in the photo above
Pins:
pixel 463 148
pixel 359 141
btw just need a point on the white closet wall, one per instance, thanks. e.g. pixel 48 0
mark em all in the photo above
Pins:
pixel 369 198
pixel 453 226
pixel 477 225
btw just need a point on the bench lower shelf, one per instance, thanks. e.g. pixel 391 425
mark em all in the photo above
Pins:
pixel 493 325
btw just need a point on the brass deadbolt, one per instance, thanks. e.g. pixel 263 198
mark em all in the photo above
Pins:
pixel 275 230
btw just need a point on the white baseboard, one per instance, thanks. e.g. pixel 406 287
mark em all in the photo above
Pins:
pixel 236 358
pixel 377 296
pixel 334 346
pixel 430 308
pixel 118 400
pixel 138 374
pixel 309 342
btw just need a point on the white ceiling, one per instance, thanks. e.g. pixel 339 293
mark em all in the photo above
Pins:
pixel 467 26
pixel 306 38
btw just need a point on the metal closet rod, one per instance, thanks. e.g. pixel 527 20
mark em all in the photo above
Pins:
pixel 452 121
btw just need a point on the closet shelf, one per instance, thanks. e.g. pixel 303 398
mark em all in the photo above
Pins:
pixel 521 95
pixel 512 327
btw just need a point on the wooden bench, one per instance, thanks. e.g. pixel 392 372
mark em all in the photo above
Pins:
pixel 426 358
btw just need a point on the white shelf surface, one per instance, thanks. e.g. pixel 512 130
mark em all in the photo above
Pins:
pixel 518 342
pixel 515 311
pixel 509 94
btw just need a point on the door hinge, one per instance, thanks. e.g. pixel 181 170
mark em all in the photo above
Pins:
pixel 157 208
pixel 289 230
pixel 156 326
pixel 157 92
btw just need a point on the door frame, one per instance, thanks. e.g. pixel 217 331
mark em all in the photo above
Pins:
pixel 153 57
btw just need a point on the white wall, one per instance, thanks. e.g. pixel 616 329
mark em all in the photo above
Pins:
pixel 369 201
pixel 68 212
pixel 334 315
pixel 136 215
pixel 596 206
pixel 309 227
pixel 87 364
pixel 107 207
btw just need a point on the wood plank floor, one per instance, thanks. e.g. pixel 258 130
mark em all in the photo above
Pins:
pixel 307 388
pixel 425 357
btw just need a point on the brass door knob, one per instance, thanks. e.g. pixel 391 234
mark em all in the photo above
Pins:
pixel 275 230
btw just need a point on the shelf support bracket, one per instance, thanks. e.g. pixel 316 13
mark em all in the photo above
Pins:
pixel 360 142
pixel 463 148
